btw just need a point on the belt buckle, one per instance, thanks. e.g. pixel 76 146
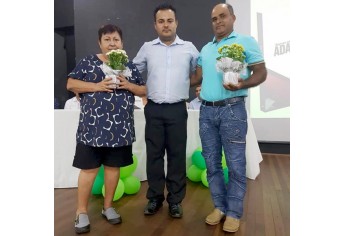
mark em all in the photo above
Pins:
pixel 213 103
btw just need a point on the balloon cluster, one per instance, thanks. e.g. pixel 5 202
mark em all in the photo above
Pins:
pixel 197 171
pixel 127 184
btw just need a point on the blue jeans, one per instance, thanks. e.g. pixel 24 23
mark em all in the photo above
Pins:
pixel 225 127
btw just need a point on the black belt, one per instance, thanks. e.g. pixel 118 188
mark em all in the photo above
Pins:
pixel 224 102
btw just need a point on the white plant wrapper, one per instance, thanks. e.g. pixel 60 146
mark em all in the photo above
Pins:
pixel 231 69
pixel 230 77
pixel 110 73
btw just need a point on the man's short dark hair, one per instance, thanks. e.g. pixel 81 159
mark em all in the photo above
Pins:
pixel 231 10
pixel 164 6
pixel 106 29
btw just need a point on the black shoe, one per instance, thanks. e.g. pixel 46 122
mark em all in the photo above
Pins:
pixel 152 207
pixel 175 210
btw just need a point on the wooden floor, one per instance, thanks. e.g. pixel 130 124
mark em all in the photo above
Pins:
pixel 266 209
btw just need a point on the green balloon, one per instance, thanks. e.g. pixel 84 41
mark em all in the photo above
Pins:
pixel 103 190
pixel 120 189
pixel 97 185
pixel 129 170
pixel 223 161
pixel 132 184
pixel 226 175
pixel 194 173
pixel 198 160
pixel 101 172
pixel 204 178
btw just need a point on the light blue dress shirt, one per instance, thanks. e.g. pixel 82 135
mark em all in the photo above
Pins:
pixel 168 69
pixel 195 104
pixel 212 83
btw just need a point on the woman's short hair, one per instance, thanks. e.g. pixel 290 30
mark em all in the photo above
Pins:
pixel 106 29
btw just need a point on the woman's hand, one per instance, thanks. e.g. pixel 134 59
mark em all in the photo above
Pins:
pixel 77 96
pixel 124 83
pixel 106 85
pixel 138 90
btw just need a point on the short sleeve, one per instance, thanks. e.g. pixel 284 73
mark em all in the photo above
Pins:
pixel 79 71
pixel 136 74
pixel 252 52
pixel 140 59
pixel 199 62
pixel 195 56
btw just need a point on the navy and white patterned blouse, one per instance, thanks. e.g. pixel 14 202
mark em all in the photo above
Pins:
pixel 106 119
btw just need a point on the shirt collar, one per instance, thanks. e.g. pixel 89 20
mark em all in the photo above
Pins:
pixel 232 35
pixel 176 41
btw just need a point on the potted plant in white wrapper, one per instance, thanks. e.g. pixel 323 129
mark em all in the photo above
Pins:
pixel 231 62
pixel 116 65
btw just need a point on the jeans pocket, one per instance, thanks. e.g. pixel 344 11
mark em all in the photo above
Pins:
pixel 238 111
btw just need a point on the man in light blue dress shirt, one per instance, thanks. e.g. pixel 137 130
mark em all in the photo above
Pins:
pixel 169 62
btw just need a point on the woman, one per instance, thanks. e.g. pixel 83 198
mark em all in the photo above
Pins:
pixel 106 125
